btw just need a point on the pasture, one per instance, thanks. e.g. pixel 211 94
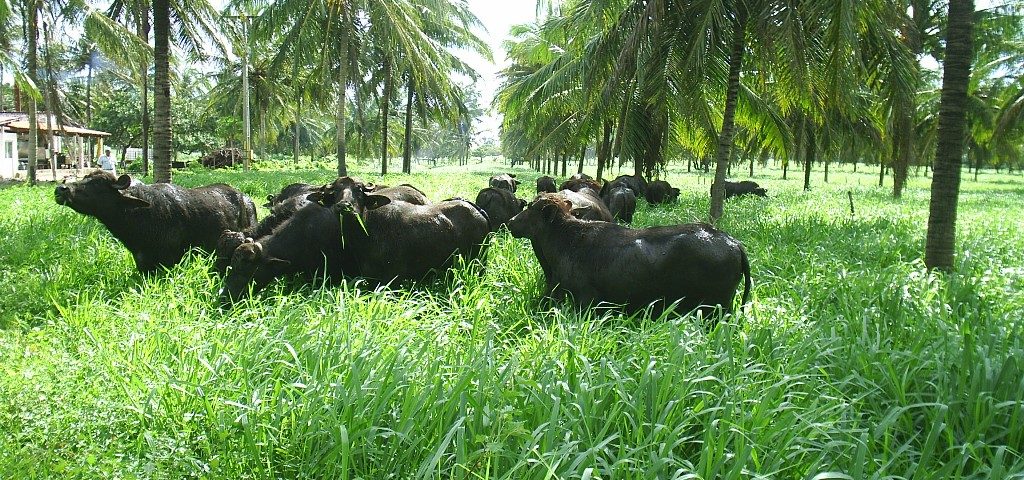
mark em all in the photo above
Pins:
pixel 852 361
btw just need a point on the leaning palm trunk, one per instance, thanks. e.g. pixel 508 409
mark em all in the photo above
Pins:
pixel 956 76
pixel 728 119
pixel 161 92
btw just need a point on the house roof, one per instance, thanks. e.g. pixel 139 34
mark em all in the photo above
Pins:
pixel 18 122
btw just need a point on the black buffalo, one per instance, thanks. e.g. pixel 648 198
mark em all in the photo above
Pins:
pixel 389 240
pixel 159 223
pixel 500 205
pixel 735 189
pixel 694 264
pixel 636 183
pixel 659 191
pixel 293 190
pixel 308 242
pixel 580 184
pixel 621 203
pixel 586 205
pixel 506 181
pixel 342 187
pixel 546 184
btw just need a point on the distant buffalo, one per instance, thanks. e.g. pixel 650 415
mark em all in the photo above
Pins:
pixel 500 205
pixel 586 205
pixel 343 187
pixel 659 191
pixel 159 223
pixel 735 189
pixel 506 181
pixel 594 262
pixel 621 202
pixel 546 184
pixel 636 183
pixel 579 184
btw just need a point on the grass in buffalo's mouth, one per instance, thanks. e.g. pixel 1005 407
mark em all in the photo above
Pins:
pixel 852 362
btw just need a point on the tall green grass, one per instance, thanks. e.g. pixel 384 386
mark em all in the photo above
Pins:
pixel 852 362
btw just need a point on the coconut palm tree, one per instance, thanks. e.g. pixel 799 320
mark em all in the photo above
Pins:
pixel 412 37
pixel 945 190
pixel 191 22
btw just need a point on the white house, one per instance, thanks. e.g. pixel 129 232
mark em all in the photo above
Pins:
pixel 68 144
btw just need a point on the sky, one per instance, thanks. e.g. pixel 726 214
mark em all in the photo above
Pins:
pixel 497 17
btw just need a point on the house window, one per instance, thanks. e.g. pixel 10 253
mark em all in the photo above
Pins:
pixel 9 149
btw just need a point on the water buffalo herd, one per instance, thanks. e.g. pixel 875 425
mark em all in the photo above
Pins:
pixel 384 234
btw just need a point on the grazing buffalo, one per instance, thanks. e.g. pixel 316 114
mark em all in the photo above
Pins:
pixel 290 191
pixel 636 183
pixel 587 206
pixel 505 180
pixel 621 203
pixel 735 189
pixel 659 191
pixel 341 187
pixel 402 193
pixel 694 264
pixel 579 184
pixel 500 205
pixel 308 242
pixel 390 240
pixel 159 223
pixel 546 184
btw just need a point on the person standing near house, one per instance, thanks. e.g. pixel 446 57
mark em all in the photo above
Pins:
pixel 107 162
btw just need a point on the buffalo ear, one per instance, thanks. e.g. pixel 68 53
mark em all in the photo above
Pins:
pixel 134 202
pixel 675 191
pixel 123 182
pixel 512 175
pixel 376 201
pixel 316 197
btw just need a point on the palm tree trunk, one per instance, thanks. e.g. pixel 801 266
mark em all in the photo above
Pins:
pixel 385 110
pixel 161 92
pixel 583 155
pixel 621 130
pixel 728 127
pixel 32 30
pixel 407 151
pixel 565 163
pixel 812 150
pixel 51 154
pixel 88 100
pixel 298 121
pixel 342 88
pixel 605 149
pixel 263 132
pixel 904 138
pixel 956 75
pixel 143 33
